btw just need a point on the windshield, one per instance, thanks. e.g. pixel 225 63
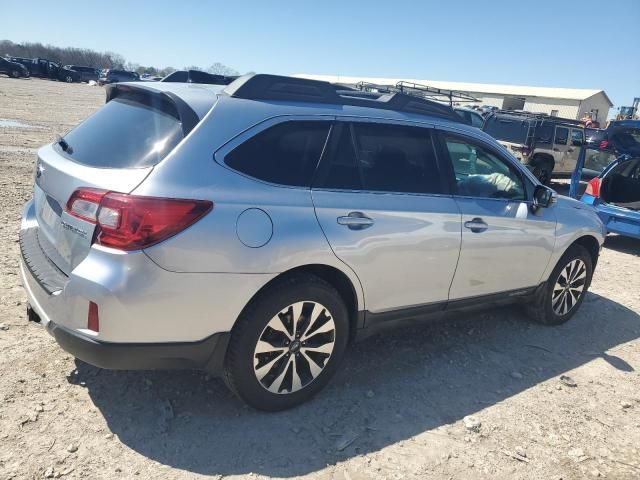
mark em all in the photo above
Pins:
pixel 123 134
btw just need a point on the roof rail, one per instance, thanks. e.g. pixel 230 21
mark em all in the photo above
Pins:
pixel 275 87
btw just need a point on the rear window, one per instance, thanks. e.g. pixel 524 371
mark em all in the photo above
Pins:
pixel 510 130
pixel 125 133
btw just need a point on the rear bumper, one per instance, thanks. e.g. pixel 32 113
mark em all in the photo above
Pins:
pixel 207 354
pixel 139 302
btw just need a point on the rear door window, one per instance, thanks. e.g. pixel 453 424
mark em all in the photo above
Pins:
pixel 381 157
pixel 396 158
pixel 286 154
pixel 125 133
pixel 562 135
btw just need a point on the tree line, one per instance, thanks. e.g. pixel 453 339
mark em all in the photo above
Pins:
pixel 92 58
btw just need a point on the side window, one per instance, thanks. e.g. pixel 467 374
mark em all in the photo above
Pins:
pixel 477 120
pixel 562 135
pixel 342 172
pixel 577 137
pixel 480 173
pixel 286 153
pixel 396 158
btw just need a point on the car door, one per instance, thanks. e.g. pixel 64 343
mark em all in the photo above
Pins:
pixel 560 148
pixel 383 204
pixel 573 150
pixel 505 244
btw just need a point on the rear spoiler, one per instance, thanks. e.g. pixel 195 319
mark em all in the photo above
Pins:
pixel 167 102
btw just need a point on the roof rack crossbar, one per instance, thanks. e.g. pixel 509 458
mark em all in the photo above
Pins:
pixel 280 88
pixel 421 91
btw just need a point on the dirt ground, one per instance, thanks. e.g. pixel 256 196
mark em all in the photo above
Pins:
pixel 480 396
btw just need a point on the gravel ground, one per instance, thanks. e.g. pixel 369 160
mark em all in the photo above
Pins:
pixel 480 396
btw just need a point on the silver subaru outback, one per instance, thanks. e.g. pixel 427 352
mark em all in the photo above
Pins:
pixel 256 230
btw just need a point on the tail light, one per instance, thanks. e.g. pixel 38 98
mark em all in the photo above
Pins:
pixel 604 144
pixel 131 222
pixel 593 187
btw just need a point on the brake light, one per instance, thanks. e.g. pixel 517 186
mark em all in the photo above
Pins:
pixel 604 144
pixel 593 187
pixel 132 222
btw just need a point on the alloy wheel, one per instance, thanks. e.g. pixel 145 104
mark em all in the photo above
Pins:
pixel 569 287
pixel 294 347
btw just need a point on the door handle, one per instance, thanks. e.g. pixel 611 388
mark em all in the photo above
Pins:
pixel 476 225
pixel 556 149
pixel 355 221
pixel 569 149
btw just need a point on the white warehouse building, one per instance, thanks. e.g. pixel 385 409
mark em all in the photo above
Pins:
pixel 560 102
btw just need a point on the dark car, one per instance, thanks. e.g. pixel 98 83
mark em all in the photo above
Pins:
pixel 117 76
pixel 39 67
pixel 196 76
pixel 65 74
pixel 13 69
pixel 86 73
pixel 621 136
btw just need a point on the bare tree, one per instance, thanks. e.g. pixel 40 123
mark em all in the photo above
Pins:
pixel 221 69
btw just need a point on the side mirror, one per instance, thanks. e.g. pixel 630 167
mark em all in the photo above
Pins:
pixel 543 197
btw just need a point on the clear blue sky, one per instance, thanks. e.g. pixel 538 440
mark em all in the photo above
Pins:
pixel 561 43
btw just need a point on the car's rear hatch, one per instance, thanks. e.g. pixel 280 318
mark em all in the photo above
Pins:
pixel 113 150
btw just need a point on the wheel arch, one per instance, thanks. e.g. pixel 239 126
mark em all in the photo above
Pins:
pixel 336 278
pixel 591 244
pixel 540 158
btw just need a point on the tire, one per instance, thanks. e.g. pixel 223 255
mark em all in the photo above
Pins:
pixel 14 74
pixel 543 170
pixel 553 305
pixel 265 379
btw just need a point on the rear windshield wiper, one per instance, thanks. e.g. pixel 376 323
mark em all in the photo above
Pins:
pixel 64 144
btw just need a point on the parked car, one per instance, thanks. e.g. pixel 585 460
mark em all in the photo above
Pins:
pixel 196 76
pixel 613 188
pixel 86 74
pixel 470 117
pixel 66 74
pixel 114 76
pixel 546 145
pixel 622 136
pixel 13 69
pixel 258 242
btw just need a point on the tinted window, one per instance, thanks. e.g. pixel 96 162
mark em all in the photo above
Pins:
pixel 477 120
pixel 577 137
pixel 287 153
pixel 562 134
pixel 544 133
pixel 342 172
pixel 124 134
pixel 395 158
pixel 480 173
pixel 507 129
